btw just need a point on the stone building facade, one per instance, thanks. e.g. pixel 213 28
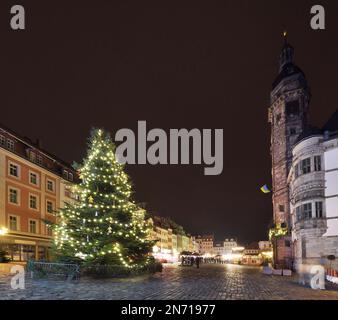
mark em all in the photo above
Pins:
pixel 288 116
pixel 304 172
pixel 313 184
pixel 34 185
pixel 206 244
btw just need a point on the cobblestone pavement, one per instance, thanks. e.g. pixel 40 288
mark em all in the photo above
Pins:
pixel 210 282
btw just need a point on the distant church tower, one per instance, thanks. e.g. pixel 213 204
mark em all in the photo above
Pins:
pixel 288 116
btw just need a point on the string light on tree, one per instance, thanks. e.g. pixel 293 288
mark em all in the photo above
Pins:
pixel 113 231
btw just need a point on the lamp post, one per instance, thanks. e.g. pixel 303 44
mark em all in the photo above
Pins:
pixel 3 231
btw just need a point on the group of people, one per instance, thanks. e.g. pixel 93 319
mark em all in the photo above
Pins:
pixel 190 261
pixel 214 260
pixel 195 260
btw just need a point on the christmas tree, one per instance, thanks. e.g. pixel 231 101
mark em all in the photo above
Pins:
pixel 104 227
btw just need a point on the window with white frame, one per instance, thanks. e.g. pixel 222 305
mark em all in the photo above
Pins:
pixel 297 170
pixel 14 196
pixel 50 206
pixel 299 213
pixel 49 230
pixel 10 144
pixel 14 170
pixel 33 202
pixel 306 166
pixel 50 185
pixel 70 176
pixel 33 178
pixel 32 226
pixel 13 223
pixel 307 210
pixel 318 163
pixel 319 209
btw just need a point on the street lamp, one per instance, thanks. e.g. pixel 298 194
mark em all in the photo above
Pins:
pixel 3 231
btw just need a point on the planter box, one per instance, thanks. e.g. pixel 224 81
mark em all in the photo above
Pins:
pixel 332 279
pixel 287 273
pixel 277 272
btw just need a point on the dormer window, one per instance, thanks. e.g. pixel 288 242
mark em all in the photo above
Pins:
pixel 70 177
pixel 2 141
pixel 32 156
pixel 39 159
pixel 65 174
pixel 10 144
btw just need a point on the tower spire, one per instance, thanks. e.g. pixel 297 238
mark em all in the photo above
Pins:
pixel 286 56
pixel 285 36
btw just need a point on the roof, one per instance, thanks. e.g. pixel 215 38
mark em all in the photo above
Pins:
pixel 288 70
pixel 332 124
pixel 35 145
pixel 253 246
pixel 308 132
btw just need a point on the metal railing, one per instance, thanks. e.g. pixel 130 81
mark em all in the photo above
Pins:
pixel 49 269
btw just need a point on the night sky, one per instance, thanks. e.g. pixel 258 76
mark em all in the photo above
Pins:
pixel 198 64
